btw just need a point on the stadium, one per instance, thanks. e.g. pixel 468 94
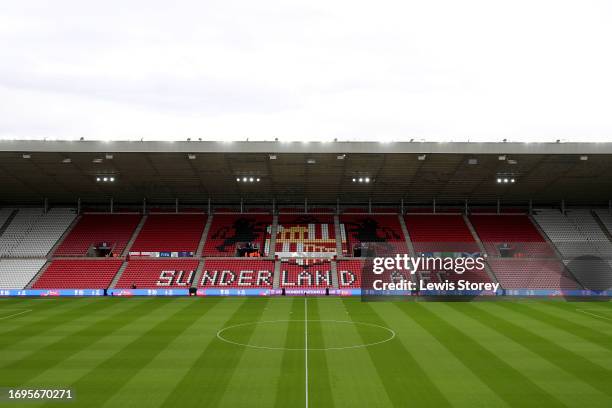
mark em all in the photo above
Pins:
pixel 202 273
pixel 305 203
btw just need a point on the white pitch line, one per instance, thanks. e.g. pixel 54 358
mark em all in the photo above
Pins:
pixel 16 314
pixel 306 347
pixel 593 314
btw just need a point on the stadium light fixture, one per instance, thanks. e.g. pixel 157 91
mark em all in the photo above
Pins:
pixel 422 157
pixel 248 179
pixel 584 158
pixel 191 156
pixel 505 179
pixel 67 160
pixel 26 156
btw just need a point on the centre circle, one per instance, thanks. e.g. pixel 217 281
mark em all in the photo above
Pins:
pixel 291 335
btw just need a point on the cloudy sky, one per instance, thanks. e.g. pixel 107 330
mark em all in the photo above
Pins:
pixel 524 70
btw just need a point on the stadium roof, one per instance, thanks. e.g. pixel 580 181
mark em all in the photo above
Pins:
pixel 290 172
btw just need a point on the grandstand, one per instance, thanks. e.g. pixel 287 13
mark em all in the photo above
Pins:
pixel 440 233
pixel 113 229
pixel 273 241
pixel 169 233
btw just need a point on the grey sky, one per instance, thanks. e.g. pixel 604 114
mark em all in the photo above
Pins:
pixel 306 70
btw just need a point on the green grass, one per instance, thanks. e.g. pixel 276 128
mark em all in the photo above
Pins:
pixel 164 352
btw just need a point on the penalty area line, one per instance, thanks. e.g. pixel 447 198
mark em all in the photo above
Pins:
pixel 15 314
pixel 593 314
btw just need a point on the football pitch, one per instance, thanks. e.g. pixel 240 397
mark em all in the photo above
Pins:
pixel 307 352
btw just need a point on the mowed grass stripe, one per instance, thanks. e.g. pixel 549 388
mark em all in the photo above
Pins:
pixel 599 317
pixel 154 382
pixel 352 373
pixel 395 364
pixel 511 386
pixel 206 381
pixel 76 366
pixel 591 351
pixel 577 366
pixel 28 344
pixel 66 346
pixel 319 389
pixel 46 318
pixel 443 367
pixel 259 370
pixel 290 387
pixel 583 331
pixel 103 381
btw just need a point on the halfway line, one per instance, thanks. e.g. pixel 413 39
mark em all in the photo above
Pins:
pixel 306 348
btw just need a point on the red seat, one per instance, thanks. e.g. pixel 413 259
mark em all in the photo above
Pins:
pixel 531 274
pixel 440 233
pixel 306 273
pixel 517 231
pixel 158 273
pixel 170 233
pixel 306 234
pixel 237 273
pixel 79 274
pixel 114 229
pixel 349 273
pixel 362 229
pixel 228 230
